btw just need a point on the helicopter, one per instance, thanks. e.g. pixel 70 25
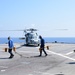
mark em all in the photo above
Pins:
pixel 31 37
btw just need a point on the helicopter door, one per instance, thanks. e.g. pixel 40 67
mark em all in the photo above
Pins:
pixel 28 38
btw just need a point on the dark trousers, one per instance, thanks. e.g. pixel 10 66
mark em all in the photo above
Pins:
pixel 42 49
pixel 10 51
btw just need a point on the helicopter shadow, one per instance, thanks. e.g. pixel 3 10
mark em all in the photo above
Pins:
pixel 29 45
pixel 24 45
pixel 19 47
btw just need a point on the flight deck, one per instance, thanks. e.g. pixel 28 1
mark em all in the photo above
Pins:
pixel 60 60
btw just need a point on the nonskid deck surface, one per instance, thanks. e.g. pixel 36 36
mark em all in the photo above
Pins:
pixel 60 60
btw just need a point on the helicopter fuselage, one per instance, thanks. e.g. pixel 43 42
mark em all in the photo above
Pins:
pixel 32 39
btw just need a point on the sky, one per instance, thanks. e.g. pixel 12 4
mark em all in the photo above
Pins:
pixel 52 18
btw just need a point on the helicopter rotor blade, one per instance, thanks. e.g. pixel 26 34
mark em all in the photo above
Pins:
pixel 31 29
pixel 11 30
pixel 22 38
pixel 62 29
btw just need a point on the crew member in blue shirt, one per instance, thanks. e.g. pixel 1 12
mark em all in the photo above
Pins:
pixel 42 44
pixel 10 45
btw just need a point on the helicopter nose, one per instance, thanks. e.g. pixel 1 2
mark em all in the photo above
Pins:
pixel 31 41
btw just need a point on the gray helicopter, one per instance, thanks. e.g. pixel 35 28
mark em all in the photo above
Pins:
pixel 31 37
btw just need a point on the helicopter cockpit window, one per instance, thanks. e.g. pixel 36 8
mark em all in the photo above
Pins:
pixel 31 36
pixel 34 36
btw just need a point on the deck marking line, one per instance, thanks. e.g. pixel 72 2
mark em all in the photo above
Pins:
pixel 69 53
pixel 61 55
pixel 2 70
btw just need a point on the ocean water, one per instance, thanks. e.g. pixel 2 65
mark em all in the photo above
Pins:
pixel 61 40
pixel 15 40
pixel 47 39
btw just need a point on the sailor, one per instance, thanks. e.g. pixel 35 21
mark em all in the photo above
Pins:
pixel 10 45
pixel 42 44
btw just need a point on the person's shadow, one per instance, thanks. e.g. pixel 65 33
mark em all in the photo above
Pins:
pixel 71 63
pixel 5 58
pixel 38 56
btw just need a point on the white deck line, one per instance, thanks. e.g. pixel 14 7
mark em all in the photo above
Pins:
pixel 69 53
pixel 3 70
pixel 61 55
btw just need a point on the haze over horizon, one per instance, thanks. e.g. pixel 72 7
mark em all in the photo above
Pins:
pixel 52 18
